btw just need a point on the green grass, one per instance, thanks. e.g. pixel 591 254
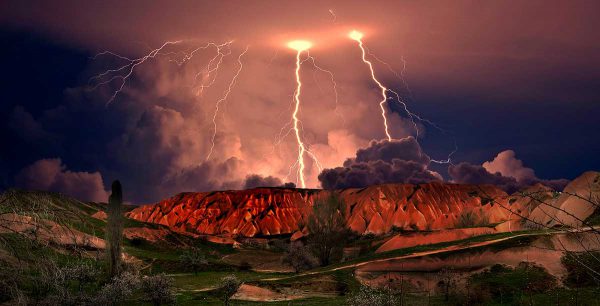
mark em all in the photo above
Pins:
pixel 211 279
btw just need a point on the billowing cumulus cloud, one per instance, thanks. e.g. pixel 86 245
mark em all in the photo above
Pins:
pixel 53 175
pixel 507 164
pixel 505 171
pixel 396 161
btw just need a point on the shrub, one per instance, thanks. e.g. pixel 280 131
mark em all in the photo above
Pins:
pixel 229 286
pixel 502 283
pixel 370 297
pixel 158 289
pixel 193 260
pixel 448 281
pixel 582 268
pixel 83 273
pixel 119 289
pixel 299 257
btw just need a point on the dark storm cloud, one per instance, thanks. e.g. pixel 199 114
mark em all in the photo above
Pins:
pixel 204 177
pixel 466 173
pixel 53 175
pixel 396 161
pixel 255 180
pixel 23 123
pixel 407 149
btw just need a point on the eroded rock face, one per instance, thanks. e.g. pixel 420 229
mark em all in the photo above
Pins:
pixel 374 209
pixel 571 207
pixel 249 213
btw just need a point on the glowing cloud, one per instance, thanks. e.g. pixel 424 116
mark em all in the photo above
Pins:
pixel 299 45
pixel 356 35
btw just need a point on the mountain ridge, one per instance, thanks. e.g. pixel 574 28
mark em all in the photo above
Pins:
pixel 375 209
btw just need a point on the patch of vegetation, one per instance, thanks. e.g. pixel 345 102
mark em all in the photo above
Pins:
pixel 372 297
pixel 582 269
pixel 299 257
pixel 504 284
pixel 193 260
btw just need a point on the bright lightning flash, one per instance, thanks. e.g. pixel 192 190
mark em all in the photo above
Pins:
pixel 357 36
pixel 222 99
pixel 299 46
pixel 124 72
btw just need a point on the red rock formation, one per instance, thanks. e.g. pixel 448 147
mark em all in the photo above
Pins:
pixel 374 209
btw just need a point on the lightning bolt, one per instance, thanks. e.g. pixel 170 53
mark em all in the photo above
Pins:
pixel 301 47
pixel 412 115
pixel 124 72
pixel 213 68
pixel 357 36
pixel 223 99
pixel 301 147
pixel 127 69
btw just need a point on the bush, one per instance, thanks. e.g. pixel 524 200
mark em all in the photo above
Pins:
pixel 83 273
pixel 299 257
pixel 193 260
pixel 158 289
pixel 503 284
pixel 370 297
pixel 580 268
pixel 229 286
pixel 448 282
pixel 119 289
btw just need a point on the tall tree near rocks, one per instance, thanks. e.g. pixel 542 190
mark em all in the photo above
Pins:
pixel 114 228
pixel 327 229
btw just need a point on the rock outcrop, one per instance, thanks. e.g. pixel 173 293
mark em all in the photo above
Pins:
pixel 572 207
pixel 370 210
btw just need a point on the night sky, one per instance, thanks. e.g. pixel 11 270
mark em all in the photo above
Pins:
pixel 515 84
